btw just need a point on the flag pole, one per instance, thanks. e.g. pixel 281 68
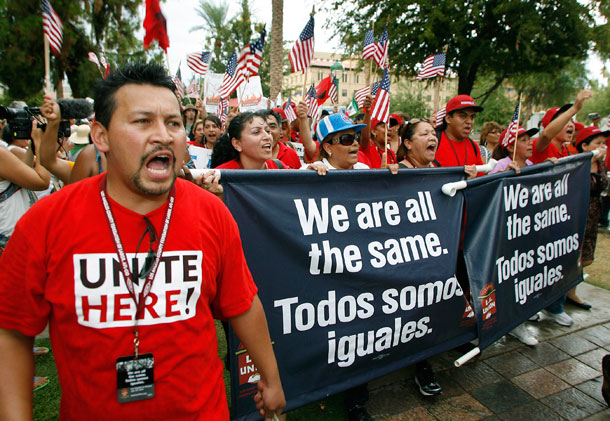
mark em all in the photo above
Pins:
pixel 169 71
pixel 517 128
pixel 47 65
pixel 313 12
pixel 368 74
pixel 438 83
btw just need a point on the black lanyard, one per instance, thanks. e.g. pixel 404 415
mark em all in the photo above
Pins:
pixel 139 301
pixel 455 152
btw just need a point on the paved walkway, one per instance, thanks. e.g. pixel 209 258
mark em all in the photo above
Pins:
pixel 558 379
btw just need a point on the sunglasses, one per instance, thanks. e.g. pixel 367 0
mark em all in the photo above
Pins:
pixel 151 255
pixel 394 122
pixel 345 139
pixel 418 120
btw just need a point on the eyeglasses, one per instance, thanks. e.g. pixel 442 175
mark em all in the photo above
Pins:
pixel 151 256
pixel 345 139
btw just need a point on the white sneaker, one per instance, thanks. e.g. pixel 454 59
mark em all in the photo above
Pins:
pixel 536 317
pixel 560 318
pixel 524 335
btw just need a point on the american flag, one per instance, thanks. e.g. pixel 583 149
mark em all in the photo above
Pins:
pixel 369 49
pixel 179 84
pixel 302 51
pixel 199 62
pixel 439 116
pixel 250 57
pixel 332 91
pixel 374 88
pixel 222 111
pixel 232 79
pixel 289 111
pixel 434 65
pixel 381 109
pixel 52 27
pixel 513 129
pixel 382 49
pixel 361 95
pixel 313 108
pixel 193 90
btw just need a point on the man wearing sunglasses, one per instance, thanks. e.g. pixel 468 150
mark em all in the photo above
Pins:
pixel 132 326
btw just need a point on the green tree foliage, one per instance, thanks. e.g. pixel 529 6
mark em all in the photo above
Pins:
pixel 107 26
pixel 599 103
pixel 411 103
pixel 496 37
pixel 215 18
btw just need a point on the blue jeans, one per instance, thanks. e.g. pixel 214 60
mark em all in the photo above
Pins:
pixel 557 306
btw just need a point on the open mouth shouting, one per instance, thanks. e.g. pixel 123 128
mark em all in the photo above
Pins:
pixel 159 164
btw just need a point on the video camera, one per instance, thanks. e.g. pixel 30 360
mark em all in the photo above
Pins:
pixel 20 120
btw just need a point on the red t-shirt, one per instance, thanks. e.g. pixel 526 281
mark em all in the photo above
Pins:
pixel 235 164
pixel 550 151
pixel 374 155
pixel 68 274
pixel 457 154
pixel 288 156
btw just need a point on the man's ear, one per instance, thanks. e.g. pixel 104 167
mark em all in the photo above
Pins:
pixel 99 137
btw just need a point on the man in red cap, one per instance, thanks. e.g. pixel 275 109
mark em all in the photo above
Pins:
pixel 455 148
pixel 558 129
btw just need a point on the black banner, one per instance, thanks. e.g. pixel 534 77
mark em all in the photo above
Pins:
pixel 522 241
pixel 355 271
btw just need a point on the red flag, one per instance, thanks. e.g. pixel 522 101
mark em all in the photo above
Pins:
pixel 155 25
pixel 323 89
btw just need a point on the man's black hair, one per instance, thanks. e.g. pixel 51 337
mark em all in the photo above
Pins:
pixel 275 115
pixel 138 73
pixel 214 119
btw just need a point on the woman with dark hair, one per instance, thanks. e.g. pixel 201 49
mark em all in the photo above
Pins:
pixel 247 145
pixel 418 146
pixel 490 134
pixel 507 149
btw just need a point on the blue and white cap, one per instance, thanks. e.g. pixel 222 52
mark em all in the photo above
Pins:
pixel 335 123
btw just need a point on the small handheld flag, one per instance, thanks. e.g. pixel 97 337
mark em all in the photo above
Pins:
pixel 434 65
pixel 52 27
pixel 199 62
pixel 381 109
pixel 302 52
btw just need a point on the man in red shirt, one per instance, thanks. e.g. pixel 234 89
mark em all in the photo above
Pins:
pixel 558 130
pixel 132 331
pixel 455 148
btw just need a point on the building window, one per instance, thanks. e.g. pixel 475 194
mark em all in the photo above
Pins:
pixel 429 98
pixel 343 92
pixel 356 79
pixel 320 76
pixel 344 77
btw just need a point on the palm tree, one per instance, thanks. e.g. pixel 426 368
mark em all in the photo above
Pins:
pixel 215 20
pixel 277 47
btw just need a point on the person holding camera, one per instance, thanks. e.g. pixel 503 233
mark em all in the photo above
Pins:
pixel 17 178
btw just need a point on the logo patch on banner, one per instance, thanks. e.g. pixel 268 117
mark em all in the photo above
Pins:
pixel 102 300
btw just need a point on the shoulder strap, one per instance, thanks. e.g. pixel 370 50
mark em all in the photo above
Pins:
pixel 438 164
pixel 401 165
pixel 474 147
pixel 278 163
pixel 9 191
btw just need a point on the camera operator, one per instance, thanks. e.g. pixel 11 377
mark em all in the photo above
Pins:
pixel 17 178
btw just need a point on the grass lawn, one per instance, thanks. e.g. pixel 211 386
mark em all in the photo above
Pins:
pixel 46 401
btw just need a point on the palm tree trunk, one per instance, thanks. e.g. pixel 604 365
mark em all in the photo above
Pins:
pixel 277 48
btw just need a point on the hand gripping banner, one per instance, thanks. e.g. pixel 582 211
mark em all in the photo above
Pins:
pixel 522 241
pixel 355 270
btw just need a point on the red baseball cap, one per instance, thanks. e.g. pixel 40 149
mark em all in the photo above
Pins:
pixel 460 102
pixel 553 113
pixel 578 126
pixel 590 132
pixel 509 138
pixel 375 122
pixel 395 117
